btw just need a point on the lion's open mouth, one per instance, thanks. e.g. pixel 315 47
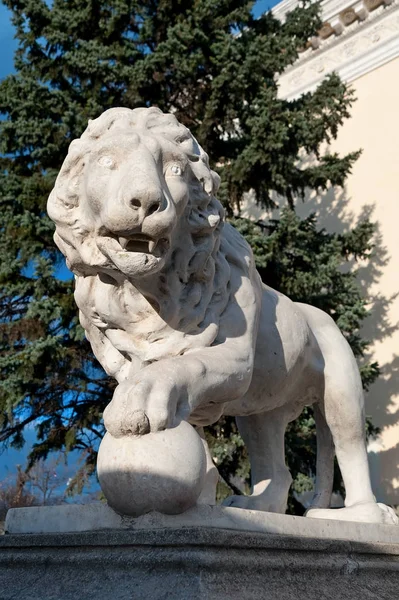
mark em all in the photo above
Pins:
pixel 144 244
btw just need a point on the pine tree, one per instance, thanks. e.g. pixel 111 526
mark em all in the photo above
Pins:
pixel 215 66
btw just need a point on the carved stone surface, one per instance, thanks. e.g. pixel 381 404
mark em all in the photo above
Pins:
pixel 194 563
pixel 174 309
pixel 360 45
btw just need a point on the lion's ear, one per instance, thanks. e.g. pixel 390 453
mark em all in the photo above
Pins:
pixel 216 181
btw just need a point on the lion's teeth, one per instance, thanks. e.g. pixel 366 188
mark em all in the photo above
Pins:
pixel 213 220
pixel 151 246
pixel 123 242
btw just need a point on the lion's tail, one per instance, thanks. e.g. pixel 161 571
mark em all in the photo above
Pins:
pixel 325 461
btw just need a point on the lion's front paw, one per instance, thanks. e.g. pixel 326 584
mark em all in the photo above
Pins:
pixel 153 401
pixel 119 421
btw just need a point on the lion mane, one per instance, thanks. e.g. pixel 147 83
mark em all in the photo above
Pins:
pixel 179 308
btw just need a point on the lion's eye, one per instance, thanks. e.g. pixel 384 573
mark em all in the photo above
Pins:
pixel 106 161
pixel 176 170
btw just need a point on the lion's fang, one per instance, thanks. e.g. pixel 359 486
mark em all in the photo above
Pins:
pixel 123 242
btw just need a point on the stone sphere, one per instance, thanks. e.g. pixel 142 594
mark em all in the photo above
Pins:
pixel 163 471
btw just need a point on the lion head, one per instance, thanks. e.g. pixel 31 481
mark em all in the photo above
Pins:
pixel 131 186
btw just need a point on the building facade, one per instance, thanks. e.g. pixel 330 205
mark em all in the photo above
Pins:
pixel 360 41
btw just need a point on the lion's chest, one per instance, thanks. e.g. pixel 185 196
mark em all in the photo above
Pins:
pixel 132 325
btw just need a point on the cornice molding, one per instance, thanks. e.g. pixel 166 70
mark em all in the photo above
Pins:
pixel 352 42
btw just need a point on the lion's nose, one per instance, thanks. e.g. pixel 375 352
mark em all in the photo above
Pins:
pixel 148 205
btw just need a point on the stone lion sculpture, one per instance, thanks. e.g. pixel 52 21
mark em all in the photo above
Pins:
pixel 175 310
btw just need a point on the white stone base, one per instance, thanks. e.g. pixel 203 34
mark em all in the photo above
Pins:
pixel 96 517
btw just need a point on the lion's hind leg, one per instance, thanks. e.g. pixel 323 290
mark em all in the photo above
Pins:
pixel 344 414
pixel 263 435
pixel 325 461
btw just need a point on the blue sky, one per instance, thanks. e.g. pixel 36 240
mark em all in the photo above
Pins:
pixel 10 458
pixel 7 43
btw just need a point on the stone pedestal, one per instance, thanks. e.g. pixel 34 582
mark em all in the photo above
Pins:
pixel 154 557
